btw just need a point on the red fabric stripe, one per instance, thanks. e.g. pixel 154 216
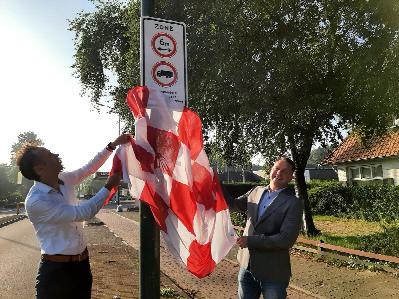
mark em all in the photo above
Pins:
pixel 116 168
pixel 145 158
pixel 166 146
pixel 202 186
pixel 182 203
pixel 158 207
pixel 137 99
pixel 190 132
pixel 200 261
pixel 219 197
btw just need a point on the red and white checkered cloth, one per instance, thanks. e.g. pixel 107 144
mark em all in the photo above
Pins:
pixel 166 167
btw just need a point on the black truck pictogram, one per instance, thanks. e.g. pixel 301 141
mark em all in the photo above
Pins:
pixel 166 74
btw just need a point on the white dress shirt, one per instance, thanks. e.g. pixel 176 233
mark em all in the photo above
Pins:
pixel 57 216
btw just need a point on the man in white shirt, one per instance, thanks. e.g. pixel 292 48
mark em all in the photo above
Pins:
pixel 57 216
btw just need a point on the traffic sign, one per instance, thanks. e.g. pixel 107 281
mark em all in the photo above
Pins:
pixel 163 44
pixel 164 74
pixel 164 58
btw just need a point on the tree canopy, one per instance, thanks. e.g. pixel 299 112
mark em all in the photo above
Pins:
pixel 265 76
pixel 318 154
pixel 24 137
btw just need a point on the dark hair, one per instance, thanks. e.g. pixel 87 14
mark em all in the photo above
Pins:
pixel 26 158
pixel 289 161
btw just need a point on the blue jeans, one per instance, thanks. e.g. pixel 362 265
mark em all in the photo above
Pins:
pixel 251 288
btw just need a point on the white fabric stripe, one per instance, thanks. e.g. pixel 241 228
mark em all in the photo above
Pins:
pixel 182 171
pixel 178 237
pixel 141 135
pixel 204 224
pixel 224 236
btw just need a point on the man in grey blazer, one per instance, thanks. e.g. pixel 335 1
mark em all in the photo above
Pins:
pixel 273 223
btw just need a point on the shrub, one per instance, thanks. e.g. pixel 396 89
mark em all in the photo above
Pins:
pixel 386 242
pixel 330 199
pixel 14 197
pixel 238 219
pixel 237 190
pixel 369 202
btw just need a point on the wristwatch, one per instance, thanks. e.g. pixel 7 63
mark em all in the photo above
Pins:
pixel 110 147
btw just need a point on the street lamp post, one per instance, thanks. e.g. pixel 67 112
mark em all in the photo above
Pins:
pixel 149 231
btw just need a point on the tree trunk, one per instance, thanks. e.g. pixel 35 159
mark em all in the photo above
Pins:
pixel 300 157
pixel 308 226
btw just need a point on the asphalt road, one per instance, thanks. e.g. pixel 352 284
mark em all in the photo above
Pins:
pixel 19 257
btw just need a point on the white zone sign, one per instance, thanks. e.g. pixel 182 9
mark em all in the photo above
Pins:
pixel 164 58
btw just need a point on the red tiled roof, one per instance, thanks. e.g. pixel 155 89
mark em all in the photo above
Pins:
pixel 351 149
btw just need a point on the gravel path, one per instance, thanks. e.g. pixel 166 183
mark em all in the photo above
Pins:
pixel 322 280
pixel 220 284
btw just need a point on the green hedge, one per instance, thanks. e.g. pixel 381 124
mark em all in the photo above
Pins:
pixel 386 242
pixel 372 203
pixel 237 190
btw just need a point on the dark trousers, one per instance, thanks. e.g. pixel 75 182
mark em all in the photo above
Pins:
pixel 70 280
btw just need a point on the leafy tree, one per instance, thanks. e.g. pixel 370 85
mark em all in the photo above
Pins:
pixel 318 154
pixel 23 138
pixel 266 76
pixel 6 186
pixel 90 186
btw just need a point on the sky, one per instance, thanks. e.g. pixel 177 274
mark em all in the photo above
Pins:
pixel 37 89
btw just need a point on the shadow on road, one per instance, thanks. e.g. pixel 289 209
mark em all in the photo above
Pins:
pixel 20 243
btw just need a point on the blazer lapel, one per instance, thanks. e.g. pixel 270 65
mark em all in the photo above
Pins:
pixel 256 201
pixel 277 202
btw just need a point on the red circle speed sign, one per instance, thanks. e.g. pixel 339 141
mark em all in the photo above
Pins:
pixel 163 44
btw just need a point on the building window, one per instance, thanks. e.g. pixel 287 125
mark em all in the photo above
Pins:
pixel 355 173
pixel 366 172
pixel 377 171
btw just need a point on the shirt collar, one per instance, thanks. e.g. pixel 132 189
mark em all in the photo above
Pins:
pixel 45 188
pixel 275 191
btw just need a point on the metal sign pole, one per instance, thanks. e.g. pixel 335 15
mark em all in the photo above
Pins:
pixel 149 231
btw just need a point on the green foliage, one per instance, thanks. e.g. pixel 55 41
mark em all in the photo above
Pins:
pixel 266 77
pixel 107 44
pixel 25 137
pixel 169 293
pixel 372 203
pixel 386 242
pixel 317 155
pixel 7 188
pixel 238 219
pixel 238 189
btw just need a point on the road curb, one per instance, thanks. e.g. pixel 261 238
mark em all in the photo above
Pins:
pixel 11 219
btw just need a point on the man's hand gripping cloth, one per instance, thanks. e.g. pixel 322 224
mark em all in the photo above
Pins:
pixel 166 167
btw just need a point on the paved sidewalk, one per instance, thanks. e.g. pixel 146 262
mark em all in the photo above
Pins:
pixel 222 283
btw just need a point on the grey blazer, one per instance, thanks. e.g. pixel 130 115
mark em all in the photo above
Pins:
pixel 271 236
